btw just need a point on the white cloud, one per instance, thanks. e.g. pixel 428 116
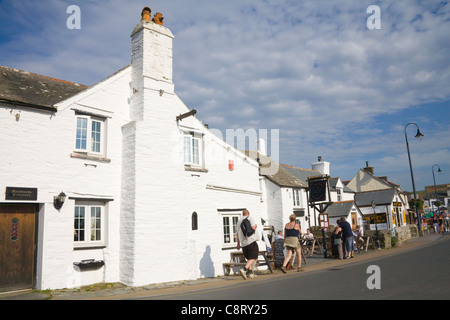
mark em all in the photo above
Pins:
pixel 309 68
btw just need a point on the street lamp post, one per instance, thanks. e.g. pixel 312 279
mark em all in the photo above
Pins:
pixel 419 136
pixel 376 225
pixel 434 181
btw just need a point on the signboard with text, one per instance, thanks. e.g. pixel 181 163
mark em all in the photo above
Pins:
pixel 376 220
pixel 22 194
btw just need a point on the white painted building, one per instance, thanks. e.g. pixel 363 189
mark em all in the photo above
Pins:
pixel 390 203
pixel 284 195
pixel 285 192
pixel 150 197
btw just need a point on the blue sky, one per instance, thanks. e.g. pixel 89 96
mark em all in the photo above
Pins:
pixel 312 69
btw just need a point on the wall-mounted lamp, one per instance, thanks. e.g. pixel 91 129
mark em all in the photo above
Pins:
pixel 59 200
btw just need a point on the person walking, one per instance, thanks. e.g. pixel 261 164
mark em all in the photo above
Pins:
pixel 446 220
pixel 291 242
pixel 248 243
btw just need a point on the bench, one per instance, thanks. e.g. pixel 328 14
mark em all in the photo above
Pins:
pixel 238 260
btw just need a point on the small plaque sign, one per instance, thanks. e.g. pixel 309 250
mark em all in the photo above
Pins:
pixel 23 194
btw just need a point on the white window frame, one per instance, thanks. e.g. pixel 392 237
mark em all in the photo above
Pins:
pixel 90 120
pixel 194 138
pixel 229 223
pixel 339 194
pixel 88 224
pixel 296 197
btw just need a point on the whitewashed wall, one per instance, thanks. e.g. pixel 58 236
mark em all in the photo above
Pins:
pixel 148 220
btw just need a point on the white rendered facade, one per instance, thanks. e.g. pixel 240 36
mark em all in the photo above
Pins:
pixel 136 182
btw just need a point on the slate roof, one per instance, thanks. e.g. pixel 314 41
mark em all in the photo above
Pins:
pixel 381 197
pixel 340 209
pixel 301 173
pixel 21 88
pixel 274 171
pixel 284 178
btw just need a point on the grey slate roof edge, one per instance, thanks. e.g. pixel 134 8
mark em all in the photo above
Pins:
pixel 381 197
pixel 25 89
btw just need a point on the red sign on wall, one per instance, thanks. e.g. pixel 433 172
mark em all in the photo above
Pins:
pixel 231 165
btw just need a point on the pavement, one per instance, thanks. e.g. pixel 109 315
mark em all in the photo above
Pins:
pixel 118 291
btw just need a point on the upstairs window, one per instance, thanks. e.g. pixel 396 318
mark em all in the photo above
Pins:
pixel 90 135
pixel 192 149
pixel 339 194
pixel 296 197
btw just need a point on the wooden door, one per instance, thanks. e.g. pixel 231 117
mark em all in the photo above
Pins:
pixel 17 247
pixel 354 220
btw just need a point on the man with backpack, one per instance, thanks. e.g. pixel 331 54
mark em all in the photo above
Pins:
pixel 247 240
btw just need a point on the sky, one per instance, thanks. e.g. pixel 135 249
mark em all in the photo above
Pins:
pixel 336 79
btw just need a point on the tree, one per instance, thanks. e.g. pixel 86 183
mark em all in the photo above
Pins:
pixel 437 203
pixel 413 203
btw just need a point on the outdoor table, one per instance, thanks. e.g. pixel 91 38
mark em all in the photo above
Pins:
pixel 314 242
pixel 367 240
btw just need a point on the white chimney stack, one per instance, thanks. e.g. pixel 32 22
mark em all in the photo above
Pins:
pixel 322 166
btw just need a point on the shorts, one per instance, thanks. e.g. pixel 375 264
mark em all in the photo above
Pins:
pixel 251 251
pixel 349 245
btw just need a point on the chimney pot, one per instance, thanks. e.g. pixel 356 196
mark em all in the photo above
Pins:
pixel 369 169
pixel 158 18
pixel 146 14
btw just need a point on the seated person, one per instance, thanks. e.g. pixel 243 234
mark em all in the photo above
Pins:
pixel 279 235
pixel 357 233
pixel 309 237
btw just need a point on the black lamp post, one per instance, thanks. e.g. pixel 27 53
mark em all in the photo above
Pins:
pixel 434 180
pixel 376 224
pixel 419 136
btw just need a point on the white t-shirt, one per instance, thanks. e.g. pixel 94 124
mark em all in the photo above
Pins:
pixel 243 240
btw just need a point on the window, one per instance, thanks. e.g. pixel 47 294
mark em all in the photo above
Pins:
pixel 89 224
pixel 229 222
pixel 296 197
pixel 192 150
pixel 194 219
pixel 339 194
pixel 90 134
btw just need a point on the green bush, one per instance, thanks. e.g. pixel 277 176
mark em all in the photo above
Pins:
pixel 394 241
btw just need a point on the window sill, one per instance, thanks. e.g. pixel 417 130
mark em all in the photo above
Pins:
pixel 89 246
pixel 88 156
pixel 195 169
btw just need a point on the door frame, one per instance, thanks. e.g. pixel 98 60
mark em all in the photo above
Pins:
pixel 35 207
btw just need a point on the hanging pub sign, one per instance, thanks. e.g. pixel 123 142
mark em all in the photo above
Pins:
pixel 397 204
pixel 317 189
pixel 23 194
